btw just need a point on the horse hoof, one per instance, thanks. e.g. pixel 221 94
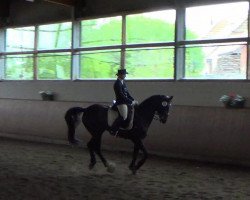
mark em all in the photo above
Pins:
pixel 74 142
pixel 91 166
pixel 111 167
pixel 133 170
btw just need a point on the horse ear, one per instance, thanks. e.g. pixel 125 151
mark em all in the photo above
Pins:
pixel 170 97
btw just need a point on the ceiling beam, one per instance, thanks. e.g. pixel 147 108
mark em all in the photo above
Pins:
pixel 63 2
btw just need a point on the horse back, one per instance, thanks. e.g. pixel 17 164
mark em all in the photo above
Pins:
pixel 95 117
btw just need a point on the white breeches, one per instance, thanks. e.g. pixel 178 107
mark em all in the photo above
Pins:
pixel 123 110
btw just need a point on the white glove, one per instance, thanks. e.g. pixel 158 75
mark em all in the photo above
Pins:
pixel 135 103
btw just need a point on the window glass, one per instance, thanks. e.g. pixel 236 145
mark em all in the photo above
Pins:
pixel 227 61
pixel 99 64
pixel 217 21
pixel 150 63
pixel 101 32
pixel 20 39
pixel 150 27
pixel 55 36
pixel 19 67
pixel 54 66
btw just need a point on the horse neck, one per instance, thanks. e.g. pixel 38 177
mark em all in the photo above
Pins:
pixel 146 111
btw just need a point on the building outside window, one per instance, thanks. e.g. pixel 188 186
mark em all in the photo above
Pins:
pixel 152 36
pixel 217 35
pixel 100 55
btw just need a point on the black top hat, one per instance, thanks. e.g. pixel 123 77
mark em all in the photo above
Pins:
pixel 121 72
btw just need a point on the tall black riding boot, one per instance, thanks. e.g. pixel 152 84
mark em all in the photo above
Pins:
pixel 116 125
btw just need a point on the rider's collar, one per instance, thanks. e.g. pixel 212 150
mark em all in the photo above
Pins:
pixel 121 80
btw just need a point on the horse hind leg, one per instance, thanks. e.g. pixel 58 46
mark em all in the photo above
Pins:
pixel 72 123
pixel 94 146
pixel 91 147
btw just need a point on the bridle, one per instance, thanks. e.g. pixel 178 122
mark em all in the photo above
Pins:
pixel 157 115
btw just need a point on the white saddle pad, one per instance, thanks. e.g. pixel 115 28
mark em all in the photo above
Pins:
pixel 112 115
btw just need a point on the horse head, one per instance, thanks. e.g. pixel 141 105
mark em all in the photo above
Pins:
pixel 162 107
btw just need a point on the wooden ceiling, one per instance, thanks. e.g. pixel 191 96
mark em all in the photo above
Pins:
pixel 5 4
pixel 4 8
pixel 63 2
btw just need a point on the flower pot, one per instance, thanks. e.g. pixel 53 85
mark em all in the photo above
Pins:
pixel 234 104
pixel 47 96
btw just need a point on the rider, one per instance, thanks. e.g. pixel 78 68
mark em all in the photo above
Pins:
pixel 123 99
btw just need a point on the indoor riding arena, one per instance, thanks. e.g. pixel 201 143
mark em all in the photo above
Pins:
pixel 186 68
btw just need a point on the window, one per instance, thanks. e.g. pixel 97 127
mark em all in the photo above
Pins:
pixel 51 59
pixel 104 34
pixel 57 65
pixel 150 63
pixel 150 29
pixel 221 31
pixel 100 64
pixel 19 67
pixel 101 32
pixel 150 56
pixel 202 42
pixel 54 36
pixel 54 66
pixel 20 39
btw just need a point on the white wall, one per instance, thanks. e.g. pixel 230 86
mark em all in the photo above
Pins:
pixel 193 93
pixel 199 126
pixel 203 133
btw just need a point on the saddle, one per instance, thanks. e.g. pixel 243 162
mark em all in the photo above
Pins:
pixel 113 114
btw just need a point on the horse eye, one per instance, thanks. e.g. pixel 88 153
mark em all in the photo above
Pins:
pixel 164 103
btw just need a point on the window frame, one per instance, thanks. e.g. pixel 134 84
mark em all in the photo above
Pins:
pixel 179 45
pixel 185 43
pixel 125 46
pixel 34 52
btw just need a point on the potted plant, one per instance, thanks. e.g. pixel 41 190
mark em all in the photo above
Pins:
pixel 233 100
pixel 47 96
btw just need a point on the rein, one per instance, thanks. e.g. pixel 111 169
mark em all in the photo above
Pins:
pixel 156 116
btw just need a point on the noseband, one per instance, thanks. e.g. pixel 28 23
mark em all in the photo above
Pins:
pixel 157 116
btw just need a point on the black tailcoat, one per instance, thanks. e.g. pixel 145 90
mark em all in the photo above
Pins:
pixel 121 93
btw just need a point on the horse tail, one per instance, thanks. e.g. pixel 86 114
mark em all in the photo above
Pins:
pixel 72 118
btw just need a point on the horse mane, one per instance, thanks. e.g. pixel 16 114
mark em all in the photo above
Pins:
pixel 149 100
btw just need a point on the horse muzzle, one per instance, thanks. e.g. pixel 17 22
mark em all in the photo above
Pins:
pixel 163 121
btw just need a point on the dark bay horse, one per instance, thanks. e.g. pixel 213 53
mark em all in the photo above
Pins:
pixel 95 120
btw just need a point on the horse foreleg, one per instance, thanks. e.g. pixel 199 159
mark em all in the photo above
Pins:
pixel 145 155
pixel 92 154
pixel 135 155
